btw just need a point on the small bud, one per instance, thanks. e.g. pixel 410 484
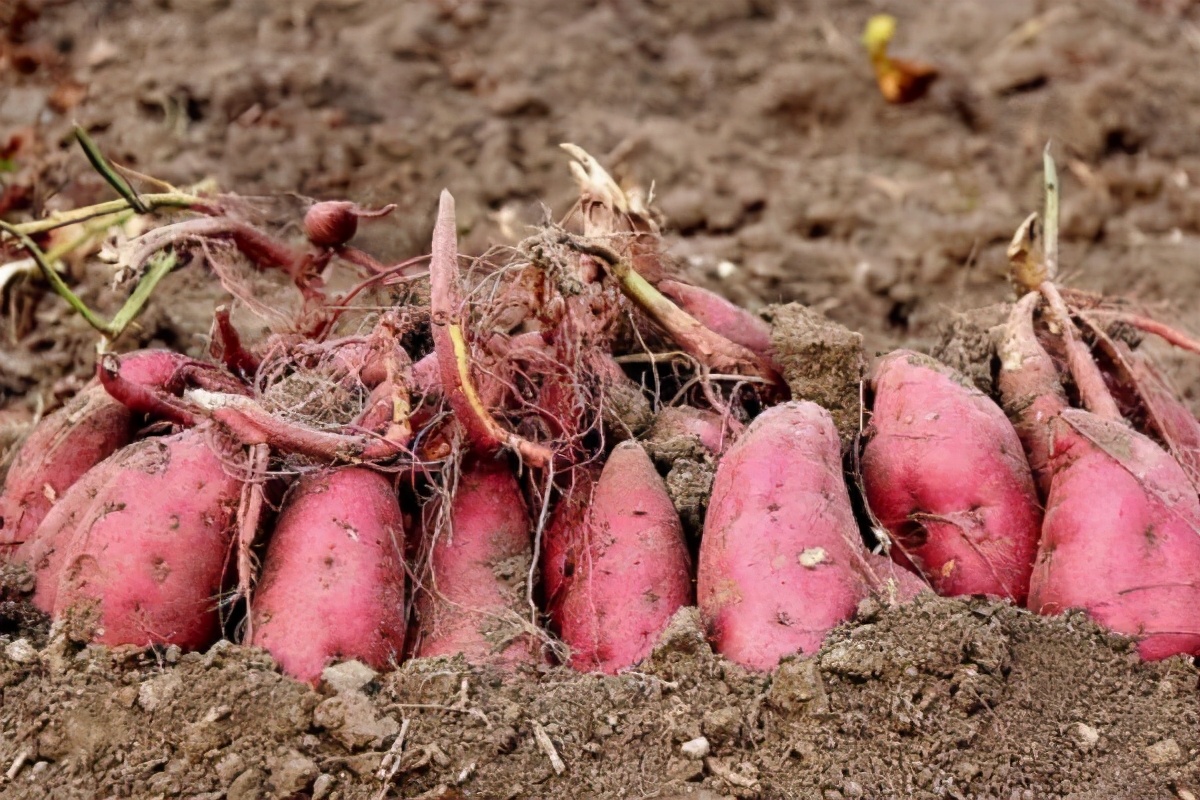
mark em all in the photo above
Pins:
pixel 331 223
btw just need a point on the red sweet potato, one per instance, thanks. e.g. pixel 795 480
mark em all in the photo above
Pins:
pixel 1121 538
pixel 66 444
pixel 782 561
pixel 561 540
pixel 633 570
pixel 944 472
pixel 721 316
pixel 473 599
pixel 332 583
pixel 136 550
pixel 704 427
pixel 1121 535
pixel 88 429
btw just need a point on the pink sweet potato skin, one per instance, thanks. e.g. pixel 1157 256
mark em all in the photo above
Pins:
pixel 633 569
pixel 1121 534
pixel 1121 538
pixel 332 584
pixel 473 600
pixel 782 561
pixel 721 316
pixel 137 548
pixel 65 445
pixel 562 538
pixel 944 472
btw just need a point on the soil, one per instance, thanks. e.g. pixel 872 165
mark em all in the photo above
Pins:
pixel 784 177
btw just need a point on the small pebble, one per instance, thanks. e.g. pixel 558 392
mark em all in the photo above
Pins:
pixel 696 748
pixel 21 651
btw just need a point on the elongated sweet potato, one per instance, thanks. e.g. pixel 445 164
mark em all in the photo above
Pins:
pixel 633 570
pixel 135 552
pixel 473 599
pixel 944 472
pixel 66 444
pixel 332 583
pixel 782 561
pixel 721 316
pixel 1121 535
pixel 561 540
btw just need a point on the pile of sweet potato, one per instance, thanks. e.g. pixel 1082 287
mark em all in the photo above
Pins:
pixel 478 472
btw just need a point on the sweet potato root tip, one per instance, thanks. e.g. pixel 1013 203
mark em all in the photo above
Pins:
pixel 633 571
pixel 453 351
pixel 333 576
pixel 944 472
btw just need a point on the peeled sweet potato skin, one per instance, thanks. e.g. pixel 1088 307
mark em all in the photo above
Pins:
pixel 1121 538
pixel 944 472
pixel 136 551
pixel 332 583
pixel 65 445
pixel 782 561
pixel 633 570
pixel 473 599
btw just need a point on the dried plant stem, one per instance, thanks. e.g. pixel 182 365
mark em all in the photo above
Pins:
pixel 152 202
pixel 706 346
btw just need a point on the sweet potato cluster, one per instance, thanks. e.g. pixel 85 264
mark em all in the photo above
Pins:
pixel 480 472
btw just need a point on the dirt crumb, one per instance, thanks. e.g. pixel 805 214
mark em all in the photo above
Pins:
pixel 822 361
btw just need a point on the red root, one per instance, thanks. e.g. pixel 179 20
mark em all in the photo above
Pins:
pixel 453 352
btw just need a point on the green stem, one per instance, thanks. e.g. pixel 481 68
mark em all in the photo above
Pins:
pixel 53 277
pixel 151 202
pixel 159 265
pixel 101 165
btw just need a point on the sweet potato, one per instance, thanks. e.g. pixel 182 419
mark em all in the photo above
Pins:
pixel 66 444
pixel 89 428
pixel 135 552
pixel 782 561
pixel 332 583
pixel 944 472
pixel 1121 535
pixel 633 570
pixel 721 316
pixel 1121 538
pixel 473 599
pixel 561 540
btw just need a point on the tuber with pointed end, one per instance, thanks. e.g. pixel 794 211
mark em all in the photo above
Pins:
pixel 782 562
pixel 473 598
pixel 632 568
pixel 332 585
pixel 944 472
pixel 136 551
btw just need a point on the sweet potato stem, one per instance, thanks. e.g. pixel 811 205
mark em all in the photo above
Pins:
pixel 484 433
pixel 709 348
